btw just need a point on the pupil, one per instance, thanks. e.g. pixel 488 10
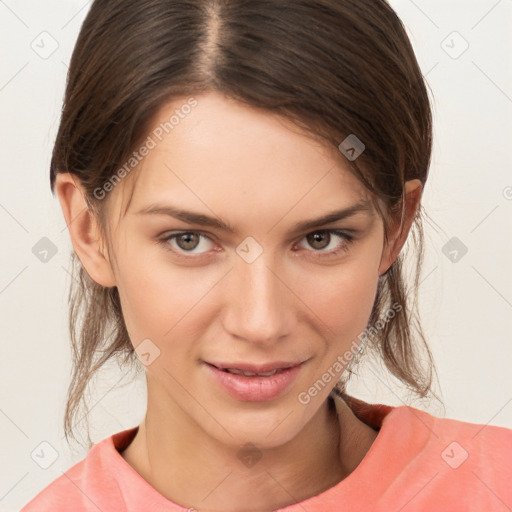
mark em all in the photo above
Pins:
pixel 187 238
pixel 319 237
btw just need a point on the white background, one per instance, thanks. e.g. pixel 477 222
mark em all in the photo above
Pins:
pixel 466 305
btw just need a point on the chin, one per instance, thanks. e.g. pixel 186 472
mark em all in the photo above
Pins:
pixel 265 425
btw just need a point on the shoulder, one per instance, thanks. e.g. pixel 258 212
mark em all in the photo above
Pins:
pixel 475 436
pixel 85 487
pixel 482 442
pixel 61 494
pixel 483 446
pixel 458 460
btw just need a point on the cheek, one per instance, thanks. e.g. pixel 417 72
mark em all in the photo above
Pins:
pixel 158 299
pixel 342 296
pixel 345 302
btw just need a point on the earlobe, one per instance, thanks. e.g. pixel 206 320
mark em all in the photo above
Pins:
pixel 400 230
pixel 83 229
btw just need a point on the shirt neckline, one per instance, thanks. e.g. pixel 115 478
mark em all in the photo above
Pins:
pixel 384 418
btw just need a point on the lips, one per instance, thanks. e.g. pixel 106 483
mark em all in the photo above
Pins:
pixel 254 383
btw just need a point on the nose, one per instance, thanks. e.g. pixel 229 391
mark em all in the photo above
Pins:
pixel 259 303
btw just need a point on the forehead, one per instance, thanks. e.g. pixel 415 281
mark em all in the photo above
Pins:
pixel 222 153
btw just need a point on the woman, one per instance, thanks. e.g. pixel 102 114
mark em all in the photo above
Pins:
pixel 239 180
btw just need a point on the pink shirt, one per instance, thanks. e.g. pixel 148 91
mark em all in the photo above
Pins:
pixel 418 462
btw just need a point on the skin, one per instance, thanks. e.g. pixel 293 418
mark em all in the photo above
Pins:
pixel 262 175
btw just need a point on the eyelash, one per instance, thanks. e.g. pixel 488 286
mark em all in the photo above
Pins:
pixel 343 247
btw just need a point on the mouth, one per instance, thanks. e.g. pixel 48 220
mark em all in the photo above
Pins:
pixel 266 370
pixel 254 383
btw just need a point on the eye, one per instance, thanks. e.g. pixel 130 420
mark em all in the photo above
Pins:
pixel 326 242
pixel 329 241
pixel 186 242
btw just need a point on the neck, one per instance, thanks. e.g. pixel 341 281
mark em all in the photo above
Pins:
pixel 190 468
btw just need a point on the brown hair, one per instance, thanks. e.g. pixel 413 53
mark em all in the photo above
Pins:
pixel 333 67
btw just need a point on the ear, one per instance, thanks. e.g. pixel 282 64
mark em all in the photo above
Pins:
pixel 83 229
pixel 400 230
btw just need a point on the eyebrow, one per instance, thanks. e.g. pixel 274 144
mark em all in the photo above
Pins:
pixel 201 219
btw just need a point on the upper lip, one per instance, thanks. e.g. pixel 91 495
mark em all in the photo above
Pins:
pixel 255 368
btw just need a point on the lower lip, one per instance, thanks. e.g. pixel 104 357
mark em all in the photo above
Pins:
pixel 254 389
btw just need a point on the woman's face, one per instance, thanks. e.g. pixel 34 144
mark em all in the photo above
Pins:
pixel 260 296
